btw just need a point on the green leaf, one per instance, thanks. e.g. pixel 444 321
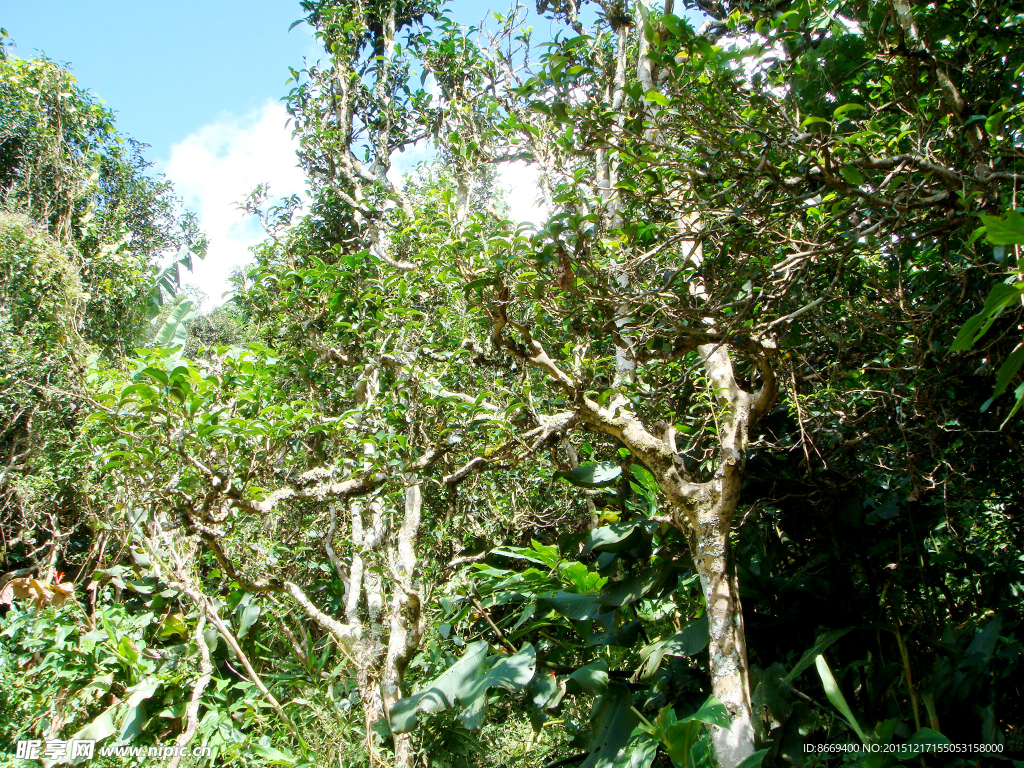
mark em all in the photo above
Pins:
pixel 511 674
pixel 592 475
pixel 249 615
pixel 478 285
pixel 173 624
pixel 823 642
pixel 1000 297
pixel 754 760
pixel 712 712
pixel 643 476
pixel 649 581
pixel 591 679
pixel 836 696
pixel 134 720
pixel 772 694
pixel 641 751
pixel 543 692
pixel 853 175
pixel 656 97
pixel 441 693
pixel 582 579
pixel 614 720
pixel 994 121
pixel 572 605
pixel 1008 370
pixel 925 736
pixel 142 691
pixel 691 639
pixel 617 536
pixel 1018 393
pixel 678 739
pixel 99 729
pixel 680 736
pixel 812 120
pixel 466 683
pixel 127 650
pixel 174 330
pixel 272 755
pixel 838 112
pixel 1007 229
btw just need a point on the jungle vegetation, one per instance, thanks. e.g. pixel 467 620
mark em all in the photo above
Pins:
pixel 718 464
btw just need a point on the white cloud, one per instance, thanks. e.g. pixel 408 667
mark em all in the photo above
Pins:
pixel 518 181
pixel 521 184
pixel 218 165
pixel 215 167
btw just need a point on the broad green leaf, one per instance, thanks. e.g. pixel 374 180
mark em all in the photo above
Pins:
pixel 511 674
pixel 592 475
pixel 614 720
pixel 617 536
pixel 100 728
pixel 1008 370
pixel 928 736
pixel 772 694
pixel 249 615
pixel 272 755
pixel 142 691
pixel 1001 296
pixel 174 330
pixel 838 112
pixel 994 121
pixel 127 650
pixel 807 121
pixel 1007 229
pixel 543 691
pixel 641 751
pixel 656 97
pixel 754 760
pixel 614 633
pixel 591 679
pixel 691 639
pixel 442 692
pixel 1018 393
pixel 823 642
pixel 678 740
pixel 648 582
pixel 853 175
pixel 467 684
pixel 173 624
pixel 572 605
pixel 679 736
pixel 712 712
pixel 836 697
pixel 643 476
pixel 582 578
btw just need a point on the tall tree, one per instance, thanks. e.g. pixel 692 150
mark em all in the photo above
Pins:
pixel 750 234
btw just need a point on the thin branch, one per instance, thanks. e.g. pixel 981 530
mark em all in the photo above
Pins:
pixel 192 711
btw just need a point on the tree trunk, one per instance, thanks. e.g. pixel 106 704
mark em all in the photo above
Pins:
pixel 727 649
pixel 704 512
pixel 406 615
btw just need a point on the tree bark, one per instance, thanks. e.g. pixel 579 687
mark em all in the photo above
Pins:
pixel 704 512
pixel 405 619
pixel 727 650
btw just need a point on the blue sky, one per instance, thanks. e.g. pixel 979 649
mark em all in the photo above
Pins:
pixel 166 68
pixel 200 81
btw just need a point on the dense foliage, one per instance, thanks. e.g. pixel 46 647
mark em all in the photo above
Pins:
pixel 715 465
